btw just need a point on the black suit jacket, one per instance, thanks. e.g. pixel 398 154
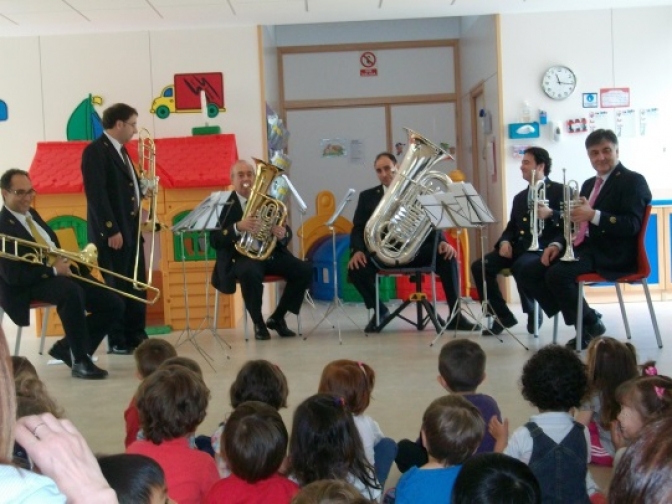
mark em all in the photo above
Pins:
pixel 621 202
pixel 224 242
pixel 517 231
pixel 16 277
pixel 366 205
pixel 110 195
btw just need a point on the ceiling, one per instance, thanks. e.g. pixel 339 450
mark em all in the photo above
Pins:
pixel 42 17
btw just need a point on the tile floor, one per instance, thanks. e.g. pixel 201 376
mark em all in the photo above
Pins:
pixel 405 365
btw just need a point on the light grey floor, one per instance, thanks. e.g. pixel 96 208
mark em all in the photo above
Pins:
pixel 405 365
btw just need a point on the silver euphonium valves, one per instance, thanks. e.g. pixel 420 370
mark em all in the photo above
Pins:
pixel 570 200
pixel 399 225
pixel 538 189
pixel 265 203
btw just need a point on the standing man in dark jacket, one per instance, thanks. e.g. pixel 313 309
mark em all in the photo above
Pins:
pixel 113 195
pixel 511 250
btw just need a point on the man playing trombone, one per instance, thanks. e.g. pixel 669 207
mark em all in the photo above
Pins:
pixel 534 224
pixel 23 280
pixel 609 215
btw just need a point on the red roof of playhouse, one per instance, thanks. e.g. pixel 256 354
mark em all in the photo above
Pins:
pixel 198 161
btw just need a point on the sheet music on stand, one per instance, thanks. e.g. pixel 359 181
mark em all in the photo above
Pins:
pixel 205 217
pixel 341 206
pixel 459 207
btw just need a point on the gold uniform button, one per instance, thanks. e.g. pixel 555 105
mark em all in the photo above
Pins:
pixel 524 219
pixel 133 198
pixel 225 232
pixel 45 276
pixel 522 232
pixel 108 224
pixel 612 219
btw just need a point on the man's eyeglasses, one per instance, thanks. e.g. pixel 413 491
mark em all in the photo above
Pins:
pixel 132 125
pixel 22 192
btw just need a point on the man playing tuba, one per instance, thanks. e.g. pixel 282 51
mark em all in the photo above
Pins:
pixel 87 312
pixel 362 270
pixel 512 250
pixel 610 216
pixel 232 266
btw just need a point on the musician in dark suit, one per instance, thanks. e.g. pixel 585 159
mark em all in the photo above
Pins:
pixel 113 196
pixel 511 250
pixel 609 246
pixel 362 270
pixel 22 282
pixel 232 265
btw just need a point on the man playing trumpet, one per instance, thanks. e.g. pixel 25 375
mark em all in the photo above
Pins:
pixel 609 216
pixel 515 247
pixel 232 265
pixel 88 312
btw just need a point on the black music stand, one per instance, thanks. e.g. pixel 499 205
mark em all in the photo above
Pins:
pixel 336 302
pixel 204 218
pixel 462 207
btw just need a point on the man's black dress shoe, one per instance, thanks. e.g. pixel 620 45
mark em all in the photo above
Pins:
pixel 86 369
pixel 530 322
pixel 462 324
pixel 280 326
pixel 372 327
pixel 590 331
pixel 120 350
pixel 499 325
pixel 61 351
pixel 260 332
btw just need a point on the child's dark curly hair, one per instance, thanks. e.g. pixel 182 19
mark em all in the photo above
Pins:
pixel 554 379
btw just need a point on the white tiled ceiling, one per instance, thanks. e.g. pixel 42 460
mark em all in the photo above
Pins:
pixel 34 17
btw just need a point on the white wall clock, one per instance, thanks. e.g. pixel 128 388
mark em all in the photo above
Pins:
pixel 558 82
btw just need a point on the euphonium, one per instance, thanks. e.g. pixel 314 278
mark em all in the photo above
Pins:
pixel 18 249
pixel 571 199
pixel 538 189
pixel 399 225
pixel 149 184
pixel 270 211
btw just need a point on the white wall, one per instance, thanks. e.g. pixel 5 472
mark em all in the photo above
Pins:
pixel 611 48
pixel 368 31
pixel 270 64
pixel 45 78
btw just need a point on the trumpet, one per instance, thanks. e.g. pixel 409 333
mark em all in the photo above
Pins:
pixel 571 199
pixel 536 224
pixel 149 183
pixel 14 249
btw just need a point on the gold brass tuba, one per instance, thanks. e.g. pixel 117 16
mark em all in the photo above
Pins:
pixel 571 199
pixel 86 258
pixel 538 189
pixel 270 211
pixel 399 225
pixel 149 184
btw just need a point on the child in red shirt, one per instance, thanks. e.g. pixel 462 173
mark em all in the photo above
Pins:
pixel 254 447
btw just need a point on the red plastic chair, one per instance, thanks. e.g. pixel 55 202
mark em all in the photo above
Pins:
pixel 640 276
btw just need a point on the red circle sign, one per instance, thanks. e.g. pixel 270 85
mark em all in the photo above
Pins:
pixel 367 59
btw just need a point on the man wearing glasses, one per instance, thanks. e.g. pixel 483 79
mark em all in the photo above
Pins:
pixel 51 281
pixel 114 197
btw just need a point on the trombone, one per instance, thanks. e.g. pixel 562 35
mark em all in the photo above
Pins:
pixel 88 258
pixel 149 183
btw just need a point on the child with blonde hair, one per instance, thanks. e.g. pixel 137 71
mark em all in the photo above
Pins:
pixel 354 381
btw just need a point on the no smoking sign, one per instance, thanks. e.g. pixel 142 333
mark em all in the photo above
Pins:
pixel 368 60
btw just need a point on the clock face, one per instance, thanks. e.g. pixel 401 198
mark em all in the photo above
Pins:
pixel 559 82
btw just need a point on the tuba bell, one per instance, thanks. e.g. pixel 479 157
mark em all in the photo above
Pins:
pixel 265 203
pixel 571 199
pixel 399 225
